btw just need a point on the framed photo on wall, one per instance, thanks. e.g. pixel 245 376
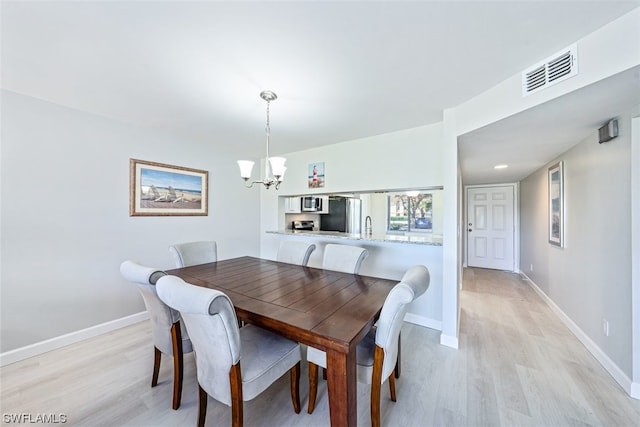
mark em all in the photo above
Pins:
pixel 158 189
pixel 556 205
pixel 316 175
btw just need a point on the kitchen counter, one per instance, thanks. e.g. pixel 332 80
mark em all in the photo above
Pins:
pixel 427 239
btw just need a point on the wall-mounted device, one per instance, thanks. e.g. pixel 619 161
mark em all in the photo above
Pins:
pixel 608 131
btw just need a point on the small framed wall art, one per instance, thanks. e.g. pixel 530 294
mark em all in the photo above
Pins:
pixel 316 175
pixel 158 189
pixel 556 205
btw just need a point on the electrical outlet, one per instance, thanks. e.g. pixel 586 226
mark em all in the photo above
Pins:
pixel 605 327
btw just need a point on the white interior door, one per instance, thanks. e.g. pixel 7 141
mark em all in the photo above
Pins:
pixel 490 227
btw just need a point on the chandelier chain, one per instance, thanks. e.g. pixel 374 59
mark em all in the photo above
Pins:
pixel 268 128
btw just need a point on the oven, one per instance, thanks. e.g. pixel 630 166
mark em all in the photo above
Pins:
pixel 302 225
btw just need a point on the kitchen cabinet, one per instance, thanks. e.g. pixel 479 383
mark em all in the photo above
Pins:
pixel 324 205
pixel 292 205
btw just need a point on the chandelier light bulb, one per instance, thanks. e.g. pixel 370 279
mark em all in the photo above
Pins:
pixel 245 168
pixel 277 165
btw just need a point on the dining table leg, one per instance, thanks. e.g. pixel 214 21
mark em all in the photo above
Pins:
pixel 342 384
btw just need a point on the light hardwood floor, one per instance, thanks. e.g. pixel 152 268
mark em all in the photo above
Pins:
pixel 517 365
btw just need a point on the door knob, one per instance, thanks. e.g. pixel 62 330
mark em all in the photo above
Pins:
pixel 470 230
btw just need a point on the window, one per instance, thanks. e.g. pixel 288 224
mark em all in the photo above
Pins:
pixel 411 211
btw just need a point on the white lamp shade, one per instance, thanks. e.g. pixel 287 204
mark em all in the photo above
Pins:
pixel 281 177
pixel 245 168
pixel 277 165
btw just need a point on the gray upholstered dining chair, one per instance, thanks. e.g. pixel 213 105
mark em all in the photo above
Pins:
pixel 376 354
pixel 168 333
pixel 193 253
pixel 233 365
pixel 294 252
pixel 344 258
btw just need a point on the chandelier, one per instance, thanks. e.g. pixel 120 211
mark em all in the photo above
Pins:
pixel 274 167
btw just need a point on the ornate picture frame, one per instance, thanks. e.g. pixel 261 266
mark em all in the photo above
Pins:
pixel 158 189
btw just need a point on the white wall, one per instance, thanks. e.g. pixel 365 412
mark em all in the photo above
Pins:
pixel 403 159
pixel 452 256
pixel 65 224
pixel 589 279
pixel 635 254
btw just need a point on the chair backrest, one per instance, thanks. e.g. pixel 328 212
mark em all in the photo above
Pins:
pixel 413 284
pixel 162 316
pixel 193 253
pixel 152 193
pixel 295 252
pixel 344 258
pixel 213 327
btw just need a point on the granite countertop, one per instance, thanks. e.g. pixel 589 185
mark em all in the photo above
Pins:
pixel 427 239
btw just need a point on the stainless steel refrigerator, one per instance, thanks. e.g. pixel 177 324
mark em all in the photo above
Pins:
pixel 344 215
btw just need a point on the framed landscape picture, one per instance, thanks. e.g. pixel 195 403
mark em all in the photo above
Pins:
pixel 556 205
pixel 158 189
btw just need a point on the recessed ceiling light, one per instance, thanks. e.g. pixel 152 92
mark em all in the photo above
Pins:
pixel 501 166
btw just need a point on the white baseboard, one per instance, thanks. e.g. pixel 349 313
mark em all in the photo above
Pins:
pixel 449 341
pixel 423 321
pixel 632 389
pixel 432 324
pixel 635 390
pixel 28 351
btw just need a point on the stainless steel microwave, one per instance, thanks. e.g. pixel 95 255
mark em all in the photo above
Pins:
pixel 311 204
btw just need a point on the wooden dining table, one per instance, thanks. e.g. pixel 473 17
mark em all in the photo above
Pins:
pixel 328 310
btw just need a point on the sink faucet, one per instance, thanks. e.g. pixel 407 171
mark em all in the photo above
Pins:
pixel 368 228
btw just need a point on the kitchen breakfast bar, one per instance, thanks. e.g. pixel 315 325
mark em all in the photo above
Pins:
pixel 418 239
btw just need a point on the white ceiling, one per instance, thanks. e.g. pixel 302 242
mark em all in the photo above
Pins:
pixel 342 70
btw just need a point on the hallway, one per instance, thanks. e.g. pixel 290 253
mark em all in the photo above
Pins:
pixel 525 367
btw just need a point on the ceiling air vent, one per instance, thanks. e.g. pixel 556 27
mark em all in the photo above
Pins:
pixel 553 70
